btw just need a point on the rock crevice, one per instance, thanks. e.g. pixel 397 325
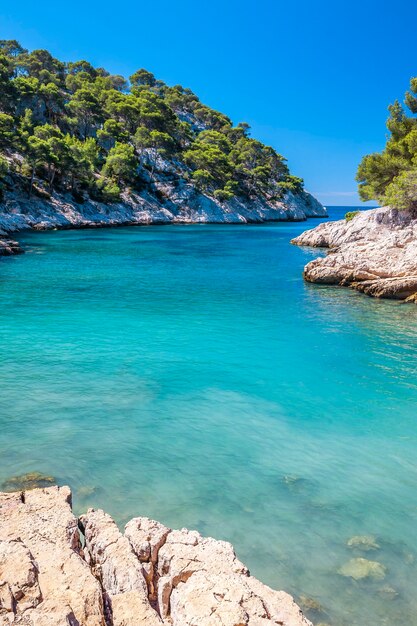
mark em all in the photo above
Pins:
pixel 149 575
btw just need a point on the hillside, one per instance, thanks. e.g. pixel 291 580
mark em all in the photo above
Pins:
pixel 82 147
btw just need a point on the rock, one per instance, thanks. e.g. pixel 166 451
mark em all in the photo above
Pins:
pixel 311 604
pixel 186 552
pixel 86 491
pixel 146 537
pixel 388 592
pixel 232 600
pixel 119 571
pixel 363 542
pixel 24 482
pixel 362 568
pixel 9 246
pixel 42 570
pixel 375 253
pixel 171 199
pixel 149 576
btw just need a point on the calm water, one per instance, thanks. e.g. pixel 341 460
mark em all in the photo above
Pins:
pixel 187 373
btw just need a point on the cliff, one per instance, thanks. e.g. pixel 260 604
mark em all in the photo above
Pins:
pixel 375 252
pixel 58 570
pixel 168 200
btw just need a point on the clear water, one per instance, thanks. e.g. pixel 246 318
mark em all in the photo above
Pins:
pixel 187 373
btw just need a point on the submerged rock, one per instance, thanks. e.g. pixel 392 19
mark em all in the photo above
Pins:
pixel 362 568
pixel 87 491
pixel 150 575
pixel 375 253
pixel 24 482
pixel 388 592
pixel 311 604
pixel 363 542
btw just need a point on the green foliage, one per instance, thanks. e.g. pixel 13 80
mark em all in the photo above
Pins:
pixel 402 192
pixel 203 179
pixel 84 130
pixel 142 77
pixel 390 176
pixel 7 132
pixel 223 194
pixel 106 190
pixel 350 215
pixel 121 163
pixel 4 170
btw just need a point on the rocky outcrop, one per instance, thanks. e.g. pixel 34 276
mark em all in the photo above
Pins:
pixel 8 246
pixel 374 252
pixel 56 570
pixel 44 577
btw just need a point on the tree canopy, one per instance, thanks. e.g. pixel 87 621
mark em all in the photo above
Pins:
pixel 390 176
pixel 83 130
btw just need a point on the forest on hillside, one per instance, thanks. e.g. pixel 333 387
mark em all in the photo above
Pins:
pixel 75 128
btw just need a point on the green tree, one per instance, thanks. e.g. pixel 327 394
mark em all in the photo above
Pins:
pixel 7 130
pixel 121 164
pixel 388 176
pixel 142 77
pixel 86 109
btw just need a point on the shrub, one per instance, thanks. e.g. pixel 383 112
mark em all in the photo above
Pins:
pixel 107 190
pixel 350 215
pixel 223 195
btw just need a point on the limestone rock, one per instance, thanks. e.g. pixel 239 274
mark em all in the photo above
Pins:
pixel 231 600
pixel 362 568
pixel 169 200
pixel 41 562
pixel 119 571
pixel 149 576
pixel 363 542
pixel 375 252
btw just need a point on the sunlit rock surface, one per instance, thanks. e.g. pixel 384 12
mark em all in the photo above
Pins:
pixel 375 252
pixel 147 576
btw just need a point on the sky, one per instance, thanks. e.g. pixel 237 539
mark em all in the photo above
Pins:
pixel 313 79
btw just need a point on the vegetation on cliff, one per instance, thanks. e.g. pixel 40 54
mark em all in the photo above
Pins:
pixel 76 128
pixel 390 176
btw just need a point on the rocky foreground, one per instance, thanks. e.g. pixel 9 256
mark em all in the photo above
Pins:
pixel 58 570
pixel 375 252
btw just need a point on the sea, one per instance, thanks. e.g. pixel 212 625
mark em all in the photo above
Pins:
pixel 189 374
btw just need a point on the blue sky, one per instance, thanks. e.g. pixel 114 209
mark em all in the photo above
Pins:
pixel 313 79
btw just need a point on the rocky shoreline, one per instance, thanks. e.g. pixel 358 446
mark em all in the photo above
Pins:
pixel 170 202
pixel 57 570
pixel 374 252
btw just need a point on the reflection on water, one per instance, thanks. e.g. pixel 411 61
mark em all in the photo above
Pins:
pixel 187 373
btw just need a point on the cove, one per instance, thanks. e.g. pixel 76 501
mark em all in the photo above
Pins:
pixel 187 373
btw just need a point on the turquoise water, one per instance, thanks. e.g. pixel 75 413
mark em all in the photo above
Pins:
pixel 187 373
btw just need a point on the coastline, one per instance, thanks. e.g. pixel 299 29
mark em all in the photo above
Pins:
pixel 18 213
pixel 60 569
